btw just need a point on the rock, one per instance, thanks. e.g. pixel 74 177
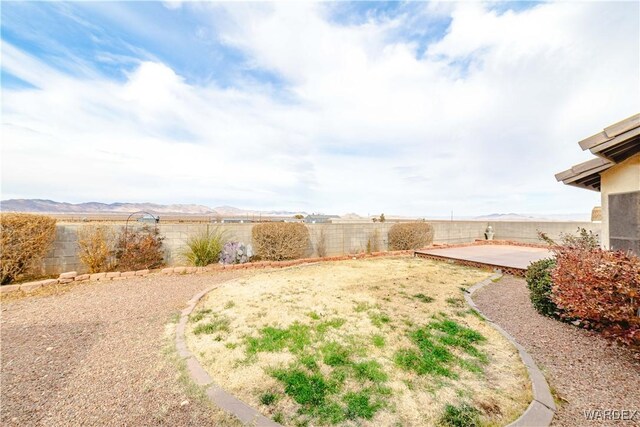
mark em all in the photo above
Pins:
pixel 128 274
pixel 180 270
pixel 31 286
pixel 68 275
pixel 65 280
pixel 97 276
pixel 113 274
pixel 167 270
pixel 142 272
pixel 82 277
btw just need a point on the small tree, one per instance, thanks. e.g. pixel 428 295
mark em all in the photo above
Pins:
pixel 382 218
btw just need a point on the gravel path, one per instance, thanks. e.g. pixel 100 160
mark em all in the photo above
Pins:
pixel 585 371
pixel 98 355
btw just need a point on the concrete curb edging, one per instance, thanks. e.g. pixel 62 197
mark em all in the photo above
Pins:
pixel 218 396
pixel 542 408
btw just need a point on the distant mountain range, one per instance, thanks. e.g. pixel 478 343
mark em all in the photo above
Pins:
pixel 50 206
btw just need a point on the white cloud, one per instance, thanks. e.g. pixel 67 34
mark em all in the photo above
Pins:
pixel 479 123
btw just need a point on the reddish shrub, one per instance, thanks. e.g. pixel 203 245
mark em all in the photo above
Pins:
pixel 600 290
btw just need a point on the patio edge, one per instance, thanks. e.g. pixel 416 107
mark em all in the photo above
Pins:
pixel 542 408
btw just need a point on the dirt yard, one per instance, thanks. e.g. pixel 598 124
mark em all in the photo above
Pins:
pixel 368 342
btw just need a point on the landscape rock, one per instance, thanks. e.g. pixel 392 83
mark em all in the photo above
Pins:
pixel 68 275
pixel 113 274
pixel 142 272
pixel 81 277
pixel 97 276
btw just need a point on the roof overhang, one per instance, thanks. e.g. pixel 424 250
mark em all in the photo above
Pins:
pixel 613 145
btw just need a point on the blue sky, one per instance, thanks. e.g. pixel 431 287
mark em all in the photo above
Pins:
pixel 410 108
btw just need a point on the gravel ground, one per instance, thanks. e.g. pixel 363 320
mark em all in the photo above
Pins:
pixel 585 371
pixel 100 354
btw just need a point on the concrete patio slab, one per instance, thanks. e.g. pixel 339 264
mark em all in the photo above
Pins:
pixel 511 259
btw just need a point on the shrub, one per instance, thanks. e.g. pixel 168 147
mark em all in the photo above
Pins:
pixel 373 242
pixel 96 246
pixel 600 289
pixel 410 235
pixel 236 253
pixel 539 282
pixel 204 248
pixel 139 249
pixel 279 241
pixel 24 240
pixel 321 244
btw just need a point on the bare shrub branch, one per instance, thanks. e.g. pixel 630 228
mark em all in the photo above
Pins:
pixel 25 239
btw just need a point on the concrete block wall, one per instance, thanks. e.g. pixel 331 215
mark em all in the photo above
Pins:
pixel 339 239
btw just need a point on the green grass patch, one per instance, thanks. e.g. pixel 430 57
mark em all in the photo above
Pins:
pixel 335 354
pixel 269 398
pixel 360 405
pixel 313 315
pixel 294 338
pixel 323 327
pixel 424 298
pixel 199 315
pixel 379 319
pixel 433 355
pixel 217 324
pixel 455 302
pixel 463 415
pixel 229 304
pixel 304 388
pixel 369 370
pixel 378 341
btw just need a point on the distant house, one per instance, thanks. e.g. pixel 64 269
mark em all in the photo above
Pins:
pixel 319 219
pixel 615 173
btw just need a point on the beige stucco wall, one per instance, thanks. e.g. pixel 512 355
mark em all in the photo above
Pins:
pixel 621 178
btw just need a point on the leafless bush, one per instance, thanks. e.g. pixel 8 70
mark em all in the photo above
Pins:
pixel 139 249
pixel 410 235
pixel 278 241
pixel 96 247
pixel 25 238
pixel 321 244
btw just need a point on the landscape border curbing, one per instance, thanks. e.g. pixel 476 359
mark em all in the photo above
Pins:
pixel 542 408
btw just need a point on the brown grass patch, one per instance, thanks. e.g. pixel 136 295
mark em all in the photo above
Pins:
pixel 380 301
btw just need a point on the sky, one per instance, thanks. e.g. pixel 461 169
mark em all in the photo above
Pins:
pixel 408 108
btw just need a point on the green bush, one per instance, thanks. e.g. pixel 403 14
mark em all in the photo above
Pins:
pixel 24 240
pixel 277 241
pixel 410 235
pixel 539 282
pixel 204 248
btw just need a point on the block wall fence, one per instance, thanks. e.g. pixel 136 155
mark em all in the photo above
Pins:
pixel 340 239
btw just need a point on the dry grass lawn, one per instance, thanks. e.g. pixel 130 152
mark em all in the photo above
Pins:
pixel 386 341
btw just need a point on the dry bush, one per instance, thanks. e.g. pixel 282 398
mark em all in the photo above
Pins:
pixel 321 244
pixel 410 235
pixel 139 249
pixel 277 241
pixel 25 239
pixel 373 243
pixel 600 290
pixel 96 247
